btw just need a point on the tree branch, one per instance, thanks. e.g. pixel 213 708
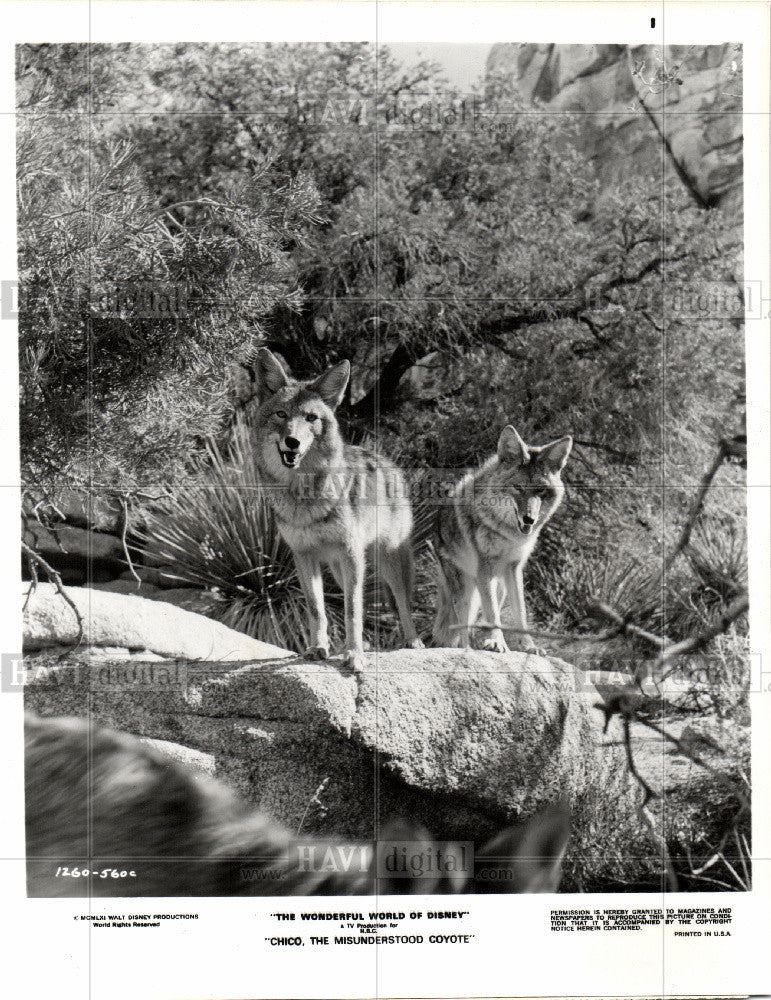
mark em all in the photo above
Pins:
pixel 695 643
pixel 37 560
pixel 735 447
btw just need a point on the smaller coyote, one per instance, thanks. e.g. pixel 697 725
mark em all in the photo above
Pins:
pixel 487 534
pixel 334 503
pixel 109 815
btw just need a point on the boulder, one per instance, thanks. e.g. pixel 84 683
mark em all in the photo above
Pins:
pixel 701 112
pixel 133 623
pixel 67 540
pixel 462 740
pixel 203 602
pixel 81 507
pixel 76 553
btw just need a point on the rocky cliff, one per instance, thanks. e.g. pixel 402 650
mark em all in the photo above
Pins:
pixel 643 109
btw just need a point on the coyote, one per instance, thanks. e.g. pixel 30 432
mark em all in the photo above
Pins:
pixel 487 534
pixel 334 503
pixel 109 815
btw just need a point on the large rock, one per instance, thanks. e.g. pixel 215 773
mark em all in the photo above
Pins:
pixel 65 539
pixel 701 114
pixel 203 602
pixel 627 98
pixel 76 553
pixel 135 624
pixel 459 739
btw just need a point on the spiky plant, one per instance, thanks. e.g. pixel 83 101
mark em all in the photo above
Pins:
pixel 718 555
pixel 218 533
pixel 622 581
pixel 712 574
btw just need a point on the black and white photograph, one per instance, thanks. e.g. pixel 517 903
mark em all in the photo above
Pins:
pixel 384 414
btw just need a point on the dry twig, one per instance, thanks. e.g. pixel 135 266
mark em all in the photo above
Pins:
pixel 35 561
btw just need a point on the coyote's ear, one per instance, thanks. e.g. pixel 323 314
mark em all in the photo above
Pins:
pixel 554 455
pixel 269 372
pixel 332 384
pixel 511 448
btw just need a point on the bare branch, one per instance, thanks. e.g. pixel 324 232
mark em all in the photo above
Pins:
pixel 36 559
pixel 734 447
pixel 645 815
pixel 695 643
pixel 599 609
pixel 124 531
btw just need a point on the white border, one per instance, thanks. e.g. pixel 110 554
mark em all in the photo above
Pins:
pixel 223 954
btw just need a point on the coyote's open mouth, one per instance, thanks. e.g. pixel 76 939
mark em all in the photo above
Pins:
pixel 289 458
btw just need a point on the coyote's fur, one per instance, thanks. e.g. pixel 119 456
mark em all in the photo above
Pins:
pixel 143 824
pixel 485 536
pixel 334 503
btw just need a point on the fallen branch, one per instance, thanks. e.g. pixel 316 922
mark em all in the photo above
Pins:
pixel 35 560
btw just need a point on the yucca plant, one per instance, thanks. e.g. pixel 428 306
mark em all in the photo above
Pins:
pixel 218 533
pixel 622 581
pixel 718 554
pixel 713 573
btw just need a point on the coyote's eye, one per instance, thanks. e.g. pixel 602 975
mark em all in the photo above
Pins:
pixel 310 417
pixel 282 414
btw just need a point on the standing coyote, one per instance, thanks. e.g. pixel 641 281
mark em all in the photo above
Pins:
pixel 334 503
pixel 141 824
pixel 487 534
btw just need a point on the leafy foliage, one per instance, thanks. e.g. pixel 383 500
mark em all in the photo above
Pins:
pixel 122 339
pixel 328 202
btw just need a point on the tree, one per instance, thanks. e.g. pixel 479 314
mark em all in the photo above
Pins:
pixel 288 192
pixel 123 344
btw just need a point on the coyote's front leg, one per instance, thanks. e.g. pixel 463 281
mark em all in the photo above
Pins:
pixel 352 566
pixel 312 583
pixel 491 609
pixel 515 589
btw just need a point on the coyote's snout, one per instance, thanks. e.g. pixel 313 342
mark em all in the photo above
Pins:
pixel 485 537
pixel 335 504
pixel 109 815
